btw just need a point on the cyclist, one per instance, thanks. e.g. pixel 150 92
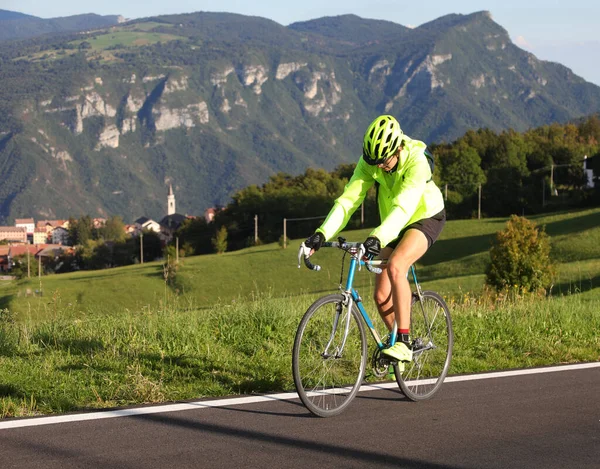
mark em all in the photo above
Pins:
pixel 412 213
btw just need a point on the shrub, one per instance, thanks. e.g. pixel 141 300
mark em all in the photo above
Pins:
pixel 283 241
pixel 520 258
pixel 219 242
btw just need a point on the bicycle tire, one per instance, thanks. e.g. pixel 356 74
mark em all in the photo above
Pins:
pixel 432 339
pixel 328 384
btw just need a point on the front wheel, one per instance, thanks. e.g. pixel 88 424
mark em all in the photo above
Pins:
pixel 328 364
pixel 432 341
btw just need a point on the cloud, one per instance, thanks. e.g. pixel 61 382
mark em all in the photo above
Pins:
pixel 522 42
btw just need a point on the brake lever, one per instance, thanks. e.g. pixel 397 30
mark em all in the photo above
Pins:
pixel 302 251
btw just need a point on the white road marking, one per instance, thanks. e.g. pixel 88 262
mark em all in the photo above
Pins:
pixel 37 421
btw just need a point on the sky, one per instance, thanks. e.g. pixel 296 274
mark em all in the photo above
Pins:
pixel 557 30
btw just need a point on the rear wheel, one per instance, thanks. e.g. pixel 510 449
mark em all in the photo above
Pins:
pixel 432 342
pixel 327 371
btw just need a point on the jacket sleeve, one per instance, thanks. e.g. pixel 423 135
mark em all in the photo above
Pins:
pixel 346 204
pixel 408 194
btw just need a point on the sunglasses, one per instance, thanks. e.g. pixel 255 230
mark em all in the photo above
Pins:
pixel 382 161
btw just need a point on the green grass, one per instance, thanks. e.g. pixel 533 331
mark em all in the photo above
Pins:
pixel 122 336
pixel 100 361
pixel 454 265
pixel 137 35
pixel 127 39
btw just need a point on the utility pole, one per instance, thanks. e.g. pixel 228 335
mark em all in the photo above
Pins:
pixel 39 266
pixel 284 233
pixel 446 192
pixel 177 249
pixel 479 204
pixel 141 248
pixel 28 271
pixel 543 192
pixel 255 229
pixel 362 214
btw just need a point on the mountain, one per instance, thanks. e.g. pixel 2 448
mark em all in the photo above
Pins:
pixel 101 123
pixel 15 25
pixel 13 15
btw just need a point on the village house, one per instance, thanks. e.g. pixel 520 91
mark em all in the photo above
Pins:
pixel 40 236
pixel 170 224
pixel 209 215
pixel 8 254
pixel 4 258
pixel 26 223
pixel 13 234
pixel 60 235
pixel 145 223
pixel 130 229
pixel 98 222
pixel 49 225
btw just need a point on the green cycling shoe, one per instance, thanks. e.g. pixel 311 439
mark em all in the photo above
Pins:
pixel 399 351
pixel 391 376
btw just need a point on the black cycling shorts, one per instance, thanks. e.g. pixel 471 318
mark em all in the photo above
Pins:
pixel 430 227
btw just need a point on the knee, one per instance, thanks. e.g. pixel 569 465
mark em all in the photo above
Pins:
pixel 398 270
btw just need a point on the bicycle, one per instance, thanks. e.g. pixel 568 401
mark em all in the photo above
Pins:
pixel 330 348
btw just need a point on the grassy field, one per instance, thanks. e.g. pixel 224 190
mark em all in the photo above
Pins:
pixel 454 266
pixel 133 38
pixel 118 38
pixel 122 336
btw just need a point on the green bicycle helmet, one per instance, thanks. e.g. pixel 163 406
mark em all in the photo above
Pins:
pixel 382 139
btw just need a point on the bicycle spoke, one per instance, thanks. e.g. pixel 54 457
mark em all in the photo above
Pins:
pixel 431 330
pixel 326 384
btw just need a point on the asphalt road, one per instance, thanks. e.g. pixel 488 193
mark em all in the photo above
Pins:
pixel 542 420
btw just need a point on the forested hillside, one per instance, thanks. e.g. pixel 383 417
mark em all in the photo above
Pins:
pixel 15 25
pixel 101 123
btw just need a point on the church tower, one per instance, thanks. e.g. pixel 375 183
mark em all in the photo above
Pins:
pixel 171 201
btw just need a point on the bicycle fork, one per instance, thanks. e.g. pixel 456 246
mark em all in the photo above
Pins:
pixel 347 305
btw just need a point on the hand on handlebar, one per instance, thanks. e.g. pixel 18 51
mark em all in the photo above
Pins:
pixel 372 248
pixel 314 242
pixel 304 252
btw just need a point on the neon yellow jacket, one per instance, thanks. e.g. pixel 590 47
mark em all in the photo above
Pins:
pixel 405 195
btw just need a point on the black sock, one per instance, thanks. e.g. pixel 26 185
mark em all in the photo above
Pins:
pixel 404 337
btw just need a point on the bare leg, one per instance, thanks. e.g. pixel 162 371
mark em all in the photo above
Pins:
pixel 410 249
pixel 383 293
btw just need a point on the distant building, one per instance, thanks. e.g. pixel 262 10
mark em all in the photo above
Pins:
pixel 60 235
pixel 7 257
pixel 4 250
pixel 13 233
pixel 167 225
pixel 170 201
pixel 145 223
pixel 40 236
pixel 209 214
pixel 170 224
pixel 26 223
pixel 130 229
pixel 51 224
pixel 173 220
pixel 98 222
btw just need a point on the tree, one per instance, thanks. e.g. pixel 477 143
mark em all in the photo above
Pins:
pixel 113 230
pixel 152 245
pixel 19 268
pixel 462 169
pixel 80 231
